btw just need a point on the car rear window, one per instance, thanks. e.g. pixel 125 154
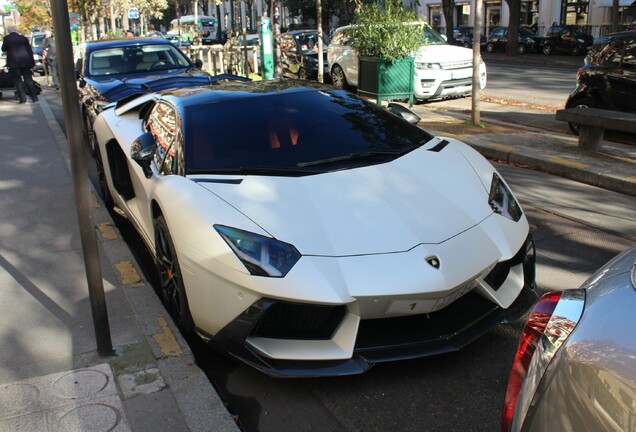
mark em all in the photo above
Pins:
pixel 285 131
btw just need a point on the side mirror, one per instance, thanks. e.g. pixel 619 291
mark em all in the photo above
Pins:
pixel 404 112
pixel 198 63
pixel 142 151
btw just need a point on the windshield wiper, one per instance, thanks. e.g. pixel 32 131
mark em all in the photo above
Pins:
pixel 349 157
pixel 360 156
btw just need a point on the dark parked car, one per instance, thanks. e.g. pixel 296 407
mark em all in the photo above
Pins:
pixel 463 36
pixel 567 39
pixel 575 367
pixel 527 40
pixel 37 40
pixel 110 70
pixel 299 54
pixel 608 77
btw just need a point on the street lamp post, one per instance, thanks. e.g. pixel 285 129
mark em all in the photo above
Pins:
pixel 73 120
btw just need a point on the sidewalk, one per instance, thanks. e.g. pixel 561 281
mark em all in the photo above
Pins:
pixel 51 377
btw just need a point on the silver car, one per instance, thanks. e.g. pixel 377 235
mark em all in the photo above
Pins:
pixel 575 367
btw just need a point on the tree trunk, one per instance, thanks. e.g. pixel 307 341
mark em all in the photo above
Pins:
pixel 320 56
pixel 447 7
pixel 513 27
pixel 113 20
pixel 278 70
pixel 476 109
pixel 615 15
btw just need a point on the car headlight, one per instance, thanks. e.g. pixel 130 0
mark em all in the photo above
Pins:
pixel 37 57
pixel 502 201
pixel 261 256
pixel 420 65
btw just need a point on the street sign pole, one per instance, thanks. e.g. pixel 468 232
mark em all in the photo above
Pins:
pixel 73 121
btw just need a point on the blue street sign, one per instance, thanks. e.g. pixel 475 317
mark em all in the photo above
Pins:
pixel 133 13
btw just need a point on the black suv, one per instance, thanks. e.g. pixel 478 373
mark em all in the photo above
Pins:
pixel 567 39
pixel 527 41
pixel 608 77
pixel 463 36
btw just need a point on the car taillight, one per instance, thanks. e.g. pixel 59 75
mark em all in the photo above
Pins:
pixel 578 74
pixel 551 321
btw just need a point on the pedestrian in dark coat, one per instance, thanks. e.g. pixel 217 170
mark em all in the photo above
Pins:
pixel 20 63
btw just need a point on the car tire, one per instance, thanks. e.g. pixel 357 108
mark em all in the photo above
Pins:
pixel 338 78
pixel 172 289
pixel 490 47
pixel 102 183
pixel 302 74
pixel 466 45
pixel 521 48
pixel 547 49
pixel 584 102
pixel 89 134
pixel 576 50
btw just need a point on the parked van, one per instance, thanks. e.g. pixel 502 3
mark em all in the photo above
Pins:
pixel 441 70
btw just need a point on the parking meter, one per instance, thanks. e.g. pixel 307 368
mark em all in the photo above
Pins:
pixel 267 52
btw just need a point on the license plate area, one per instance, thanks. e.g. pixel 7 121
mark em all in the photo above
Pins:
pixel 419 306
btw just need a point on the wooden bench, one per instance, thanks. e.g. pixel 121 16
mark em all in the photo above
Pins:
pixel 594 121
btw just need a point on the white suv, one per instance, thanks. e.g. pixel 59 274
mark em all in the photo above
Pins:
pixel 441 70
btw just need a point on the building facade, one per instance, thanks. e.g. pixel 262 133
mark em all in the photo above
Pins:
pixel 594 15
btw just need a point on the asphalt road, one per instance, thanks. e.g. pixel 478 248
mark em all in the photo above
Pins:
pixel 577 228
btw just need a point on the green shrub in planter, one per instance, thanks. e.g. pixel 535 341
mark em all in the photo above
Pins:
pixel 385 37
pixel 383 33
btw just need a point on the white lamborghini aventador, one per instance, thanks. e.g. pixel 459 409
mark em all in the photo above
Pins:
pixel 309 232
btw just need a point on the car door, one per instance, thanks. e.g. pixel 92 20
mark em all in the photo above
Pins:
pixel 498 38
pixel 163 122
pixel 623 78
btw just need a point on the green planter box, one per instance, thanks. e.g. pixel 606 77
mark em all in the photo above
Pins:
pixel 386 80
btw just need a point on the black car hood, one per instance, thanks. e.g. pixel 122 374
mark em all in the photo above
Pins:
pixel 116 87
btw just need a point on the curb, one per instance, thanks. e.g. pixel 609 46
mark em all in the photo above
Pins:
pixel 166 358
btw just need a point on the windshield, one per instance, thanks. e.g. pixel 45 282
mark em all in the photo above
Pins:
pixel 432 37
pixel 309 41
pixel 577 31
pixel 132 59
pixel 37 41
pixel 523 31
pixel 299 133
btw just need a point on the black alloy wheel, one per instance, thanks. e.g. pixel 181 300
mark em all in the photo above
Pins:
pixel 302 74
pixel 576 50
pixel 584 102
pixel 338 78
pixel 103 185
pixel 490 47
pixel 173 292
pixel 547 49
pixel 521 48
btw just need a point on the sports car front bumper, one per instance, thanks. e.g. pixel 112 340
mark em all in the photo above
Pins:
pixel 292 339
